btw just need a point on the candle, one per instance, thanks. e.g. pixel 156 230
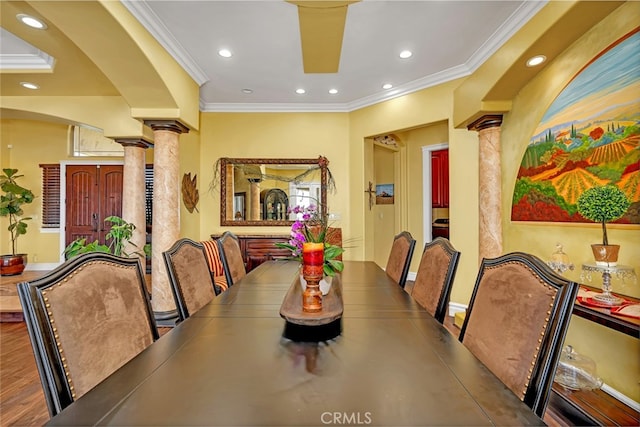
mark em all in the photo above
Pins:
pixel 313 260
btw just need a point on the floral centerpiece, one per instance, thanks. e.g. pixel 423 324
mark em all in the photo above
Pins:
pixel 312 227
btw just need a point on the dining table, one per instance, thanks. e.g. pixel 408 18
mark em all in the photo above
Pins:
pixel 232 364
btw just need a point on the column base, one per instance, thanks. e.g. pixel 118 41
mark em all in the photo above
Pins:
pixel 166 319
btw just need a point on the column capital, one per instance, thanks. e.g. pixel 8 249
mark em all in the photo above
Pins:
pixel 168 125
pixel 486 122
pixel 134 142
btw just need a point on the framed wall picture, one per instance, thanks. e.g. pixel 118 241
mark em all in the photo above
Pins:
pixel 384 194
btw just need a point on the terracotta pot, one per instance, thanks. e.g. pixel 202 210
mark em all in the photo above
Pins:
pixel 605 254
pixel 13 264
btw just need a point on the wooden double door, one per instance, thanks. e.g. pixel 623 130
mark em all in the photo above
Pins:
pixel 93 193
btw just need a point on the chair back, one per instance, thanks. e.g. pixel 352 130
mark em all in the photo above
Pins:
pixel 516 323
pixel 189 276
pixel 400 257
pixel 231 256
pixel 86 318
pixel 434 279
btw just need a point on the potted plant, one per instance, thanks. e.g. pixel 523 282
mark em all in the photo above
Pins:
pixel 603 204
pixel 118 236
pixel 11 200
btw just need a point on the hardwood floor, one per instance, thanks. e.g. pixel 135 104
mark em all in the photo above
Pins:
pixel 21 398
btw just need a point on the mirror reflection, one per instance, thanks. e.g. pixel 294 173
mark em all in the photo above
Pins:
pixel 260 191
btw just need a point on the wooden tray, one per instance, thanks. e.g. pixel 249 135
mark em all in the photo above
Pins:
pixel 332 307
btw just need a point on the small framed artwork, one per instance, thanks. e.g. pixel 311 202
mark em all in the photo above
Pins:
pixel 384 194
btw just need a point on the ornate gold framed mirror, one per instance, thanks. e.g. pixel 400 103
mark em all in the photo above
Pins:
pixel 259 192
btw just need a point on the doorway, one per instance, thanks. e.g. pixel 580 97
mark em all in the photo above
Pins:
pixel 427 190
pixel 93 192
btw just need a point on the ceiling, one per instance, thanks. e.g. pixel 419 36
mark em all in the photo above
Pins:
pixel 449 39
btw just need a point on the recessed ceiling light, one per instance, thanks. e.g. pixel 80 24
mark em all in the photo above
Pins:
pixel 225 53
pixel 247 90
pixel 387 86
pixel 29 85
pixel 333 91
pixel 300 91
pixel 405 54
pixel 31 21
pixel 536 60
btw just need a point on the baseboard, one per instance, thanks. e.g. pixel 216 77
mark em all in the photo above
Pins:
pixel 412 276
pixel 621 397
pixel 41 266
pixel 455 307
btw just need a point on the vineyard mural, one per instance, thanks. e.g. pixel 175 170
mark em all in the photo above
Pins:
pixel 589 136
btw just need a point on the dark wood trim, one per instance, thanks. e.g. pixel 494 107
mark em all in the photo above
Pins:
pixel 168 125
pixel 603 316
pixel 134 142
pixel 486 122
pixel 590 408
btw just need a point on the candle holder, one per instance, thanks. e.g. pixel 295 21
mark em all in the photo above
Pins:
pixel 312 271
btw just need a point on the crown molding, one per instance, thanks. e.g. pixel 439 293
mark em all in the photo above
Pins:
pixel 147 17
pixel 37 62
pixel 154 25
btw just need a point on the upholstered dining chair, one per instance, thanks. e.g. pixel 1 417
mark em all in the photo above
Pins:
pixel 86 319
pixel 189 276
pixel 434 279
pixel 400 257
pixel 516 322
pixel 231 256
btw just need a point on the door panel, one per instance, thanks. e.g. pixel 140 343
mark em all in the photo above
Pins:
pixel 93 192
pixel 110 196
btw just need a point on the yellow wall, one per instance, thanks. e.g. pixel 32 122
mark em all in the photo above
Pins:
pixel 189 163
pixel 384 215
pixel 430 109
pixel 415 140
pixel 274 135
pixel 35 142
pixel 50 142
pixel 617 355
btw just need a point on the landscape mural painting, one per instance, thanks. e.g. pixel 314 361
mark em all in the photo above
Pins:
pixel 589 136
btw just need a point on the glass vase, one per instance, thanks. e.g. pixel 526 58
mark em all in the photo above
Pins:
pixel 312 271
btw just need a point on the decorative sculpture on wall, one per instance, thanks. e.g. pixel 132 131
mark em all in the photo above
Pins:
pixel 190 194
pixel 588 137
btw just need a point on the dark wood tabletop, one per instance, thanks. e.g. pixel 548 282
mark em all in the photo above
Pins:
pixel 229 365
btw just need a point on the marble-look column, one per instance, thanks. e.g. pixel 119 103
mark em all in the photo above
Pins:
pixel 166 212
pixel 489 186
pixel 254 213
pixel 133 194
pixel 229 192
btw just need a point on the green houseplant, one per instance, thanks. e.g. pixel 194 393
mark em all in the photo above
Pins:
pixel 13 197
pixel 118 236
pixel 603 204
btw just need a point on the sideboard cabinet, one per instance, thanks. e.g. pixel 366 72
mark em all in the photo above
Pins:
pixel 258 248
